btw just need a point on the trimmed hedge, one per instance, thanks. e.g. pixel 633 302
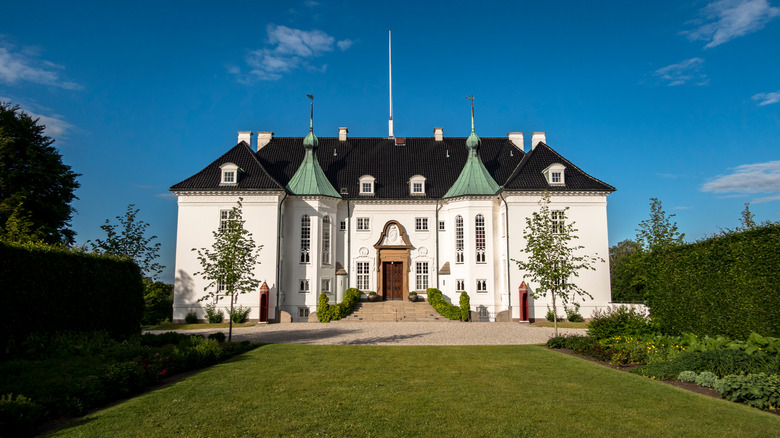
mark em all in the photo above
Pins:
pixel 45 289
pixel 444 308
pixel 727 285
pixel 328 313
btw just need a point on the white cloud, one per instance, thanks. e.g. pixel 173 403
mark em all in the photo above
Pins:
pixel 166 195
pixel 766 199
pixel 290 49
pixel 767 98
pixel 749 178
pixel 682 207
pixel 23 66
pixel 310 3
pixel 683 72
pixel 56 126
pixel 724 20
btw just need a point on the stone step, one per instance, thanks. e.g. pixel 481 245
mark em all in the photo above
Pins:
pixel 397 311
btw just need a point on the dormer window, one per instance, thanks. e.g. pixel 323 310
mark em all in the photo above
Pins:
pixel 230 174
pixel 417 185
pixel 367 185
pixel 554 174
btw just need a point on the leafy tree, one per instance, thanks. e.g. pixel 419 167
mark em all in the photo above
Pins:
pixel 229 264
pixel 659 231
pixel 553 261
pixel 158 302
pixel 747 219
pixel 128 238
pixel 36 188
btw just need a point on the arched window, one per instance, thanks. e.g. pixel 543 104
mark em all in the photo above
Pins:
pixel 479 224
pixel 305 238
pixel 458 239
pixel 326 240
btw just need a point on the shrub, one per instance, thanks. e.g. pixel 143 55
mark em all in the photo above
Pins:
pixel 191 317
pixel 218 336
pixel 573 313
pixel 465 306
pixel 158 302
pixel 687 376
pixel 213 315
pixel 758 390
pixel 19 415
pixel 618 321
pixel 719 362
pixel 707 379
pixel 240 314
pixel 444 308
pixel 550 315
pixel 327 313
pixel 124 378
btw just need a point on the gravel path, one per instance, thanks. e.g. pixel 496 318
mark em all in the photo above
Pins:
pixel 395 333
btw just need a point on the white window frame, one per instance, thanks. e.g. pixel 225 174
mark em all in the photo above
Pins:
pixel 421 224
pixel 480 238
pixel 325 286
pixel 230 174
pixel 303 286
pixel 225 216
pixel 367 185
pixel 417 185
pixel 442 226
pixel 482 286
pixel 343 226
pixel 363 224
pixel 303 312
pixel 305 239
pixel 363 276
pixel 555 174
pixel 558 218
pixel 422 276
pixel 325 240
pixel 460 285
pixel 459 239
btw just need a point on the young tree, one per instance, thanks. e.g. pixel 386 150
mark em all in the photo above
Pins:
pixel 229 264
pixel 747 219
pixel 659 231
pixel 128 238
pixel 36 188
pixel 553 261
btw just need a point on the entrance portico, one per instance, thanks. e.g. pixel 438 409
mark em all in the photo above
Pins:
pixel 393 255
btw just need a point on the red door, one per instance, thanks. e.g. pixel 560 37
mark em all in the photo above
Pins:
pixel 393 280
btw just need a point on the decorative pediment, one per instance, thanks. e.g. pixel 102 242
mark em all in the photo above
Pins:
pixel 393 236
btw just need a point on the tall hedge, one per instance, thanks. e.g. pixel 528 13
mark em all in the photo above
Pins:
pixel 727 285
pixel 45 289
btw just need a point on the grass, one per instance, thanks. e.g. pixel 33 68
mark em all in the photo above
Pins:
pixel 299 390
pixel 561 324
pixel 172 326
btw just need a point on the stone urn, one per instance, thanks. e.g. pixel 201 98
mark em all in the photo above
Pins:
pixel 412 296
pixel 373 297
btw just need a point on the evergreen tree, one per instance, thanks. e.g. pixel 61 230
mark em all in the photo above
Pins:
pixel 36 188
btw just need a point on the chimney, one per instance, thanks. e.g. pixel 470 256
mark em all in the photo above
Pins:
pixel 517 139
pixel 263 138
pixel 343 133
pixel 245 136
pixel 537 137
pixel 438 134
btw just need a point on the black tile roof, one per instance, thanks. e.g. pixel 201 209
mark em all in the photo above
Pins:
pixel 344 162
pixel 529 176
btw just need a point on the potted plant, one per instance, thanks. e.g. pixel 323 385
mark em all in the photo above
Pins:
pixel 372 296
pixel 412 296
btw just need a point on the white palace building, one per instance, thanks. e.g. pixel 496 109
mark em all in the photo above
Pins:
pixel 390 215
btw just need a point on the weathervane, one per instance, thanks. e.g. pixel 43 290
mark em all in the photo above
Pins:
pixel 471 98
pixel 311 112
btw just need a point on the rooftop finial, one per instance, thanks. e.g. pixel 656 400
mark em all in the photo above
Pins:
pixel 473 141
pixel 311 142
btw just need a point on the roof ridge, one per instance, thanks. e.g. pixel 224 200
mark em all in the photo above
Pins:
pixel 574 165
pixel 257 161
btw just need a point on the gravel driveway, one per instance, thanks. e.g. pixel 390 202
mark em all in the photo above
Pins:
pixel 396 333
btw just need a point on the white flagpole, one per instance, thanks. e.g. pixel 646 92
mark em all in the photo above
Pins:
pixel 390 68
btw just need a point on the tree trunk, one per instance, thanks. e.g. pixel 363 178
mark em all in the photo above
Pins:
pixel 555 315
pixel 230 317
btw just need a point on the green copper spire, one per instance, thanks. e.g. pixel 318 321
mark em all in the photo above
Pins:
pixel 474 179
pixel 309 179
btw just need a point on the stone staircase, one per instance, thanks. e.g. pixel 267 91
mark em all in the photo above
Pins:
pixel 394 311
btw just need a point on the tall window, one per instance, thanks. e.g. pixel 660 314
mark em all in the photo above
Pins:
pixel 225 216
pixel 421 224
pixel 479 224
pixel 325 286
pixel 441 226
pixel 481 286
pixel 304 287
pixel 362 276
pixel 422 275
pixel 305 238
pixel 460 285
pixel 362 224
pixel 557 221
pixel 326 240
pixel 458 239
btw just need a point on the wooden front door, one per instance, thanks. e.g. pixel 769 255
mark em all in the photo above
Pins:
pixel 392 274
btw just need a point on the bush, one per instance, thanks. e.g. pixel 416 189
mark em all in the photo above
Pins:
pixel 218 336
pixel 124 378
pixel 240 314
pixel 158 302
pixel 573 313
pixel 444 308
pixel 214 316
pixel 719 362
pixel 19 415
pixel 687 376
pixel 327 313
pixel 707 379
pixel 618 321
pixel 465 306
pixel 550 315
pixel 727 285
pixel 758 390
pixel 191 317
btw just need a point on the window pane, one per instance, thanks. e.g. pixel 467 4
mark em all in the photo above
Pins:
pixel 458 239
pixel 479 222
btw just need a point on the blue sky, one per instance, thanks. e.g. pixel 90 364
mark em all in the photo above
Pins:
pixel 678 100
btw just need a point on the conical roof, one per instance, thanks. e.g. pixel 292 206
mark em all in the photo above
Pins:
pixel 309 179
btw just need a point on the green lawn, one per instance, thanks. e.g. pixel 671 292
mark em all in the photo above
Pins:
pixel 299 390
